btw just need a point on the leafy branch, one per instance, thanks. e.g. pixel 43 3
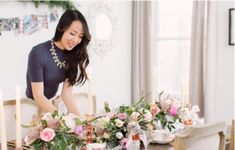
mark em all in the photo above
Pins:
pixel 68 4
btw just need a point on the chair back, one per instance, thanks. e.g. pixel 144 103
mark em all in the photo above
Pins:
pixel 81 100
pixel 207 136
pixel 28 109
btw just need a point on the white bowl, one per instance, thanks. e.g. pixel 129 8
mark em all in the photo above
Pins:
pixel 96 146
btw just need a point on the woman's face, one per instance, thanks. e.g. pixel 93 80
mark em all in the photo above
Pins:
pixel 72 36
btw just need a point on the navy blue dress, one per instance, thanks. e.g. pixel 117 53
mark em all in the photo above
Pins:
pixel 42 68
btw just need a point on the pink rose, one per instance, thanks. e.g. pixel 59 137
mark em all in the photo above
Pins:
pixel 173 110
pixel 78 130
pixel 154 109
pixel 123 142
pixel 47 134
pixel 122 116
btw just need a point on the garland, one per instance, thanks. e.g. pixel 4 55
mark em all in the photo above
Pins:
pixel 68 4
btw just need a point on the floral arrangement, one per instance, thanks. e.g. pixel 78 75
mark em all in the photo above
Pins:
pixel 56 132
pixel 114 127
pixel 125 121
pixel 166 111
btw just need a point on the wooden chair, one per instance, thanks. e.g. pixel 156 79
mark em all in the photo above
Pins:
pixel 28 109
pixel 209 136
pixel 81 100
pixel 232 135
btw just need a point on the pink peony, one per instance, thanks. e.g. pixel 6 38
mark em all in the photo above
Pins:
pixel 122 116
pixel 123 142
pixel 173 110
pixel 78 130
pixel 47 134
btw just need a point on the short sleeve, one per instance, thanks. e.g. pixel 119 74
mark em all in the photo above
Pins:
pixel 35 65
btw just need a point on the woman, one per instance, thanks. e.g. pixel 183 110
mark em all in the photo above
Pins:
pixel 62 59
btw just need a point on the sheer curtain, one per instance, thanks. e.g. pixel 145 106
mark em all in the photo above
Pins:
pixel 141 50
pixel 203 57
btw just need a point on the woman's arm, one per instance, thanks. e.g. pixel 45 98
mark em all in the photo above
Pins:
pixel 39 97
pixel 67 96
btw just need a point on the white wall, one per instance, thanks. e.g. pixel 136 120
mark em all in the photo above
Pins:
pixel 225 66
pixel 111 74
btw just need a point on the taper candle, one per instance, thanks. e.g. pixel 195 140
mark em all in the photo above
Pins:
pixel 153 91
pixel 91 109
pixel 18 119
pixel 3 128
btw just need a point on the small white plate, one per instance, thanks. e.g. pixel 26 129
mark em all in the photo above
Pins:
pixel 162 142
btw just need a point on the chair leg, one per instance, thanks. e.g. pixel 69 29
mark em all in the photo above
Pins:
pixel 232 135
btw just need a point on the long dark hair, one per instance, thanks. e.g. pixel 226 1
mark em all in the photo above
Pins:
pixel 78 56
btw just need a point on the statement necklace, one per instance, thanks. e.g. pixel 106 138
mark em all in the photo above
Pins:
pixel 59 63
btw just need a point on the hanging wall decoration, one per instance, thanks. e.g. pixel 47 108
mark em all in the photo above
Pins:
pixel 27 24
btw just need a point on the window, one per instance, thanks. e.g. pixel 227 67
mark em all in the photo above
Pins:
pixel 171 48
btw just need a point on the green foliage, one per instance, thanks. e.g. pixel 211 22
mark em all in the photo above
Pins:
pixel 106 107
pixel 142 103
pixel 68 4
pixel 125 109
pixel 44 123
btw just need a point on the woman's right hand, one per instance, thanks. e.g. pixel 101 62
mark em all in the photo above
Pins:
pixel 44 104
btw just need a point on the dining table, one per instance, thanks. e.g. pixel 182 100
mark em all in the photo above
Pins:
pixel 150 147
pixel 156 146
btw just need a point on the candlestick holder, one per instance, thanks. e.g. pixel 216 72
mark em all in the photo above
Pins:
pixel 135 137
pixel 89 129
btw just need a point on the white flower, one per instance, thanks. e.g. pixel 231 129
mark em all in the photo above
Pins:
pixel 132 124
pixel 147 115
pixel 102 122
pixel 195 108
pixel 119 123
pixel 47 116
pixel 119 135
pixel 106 135
pixel 134 116
pixel 184 114
pixel 165 104
pixel 70 122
